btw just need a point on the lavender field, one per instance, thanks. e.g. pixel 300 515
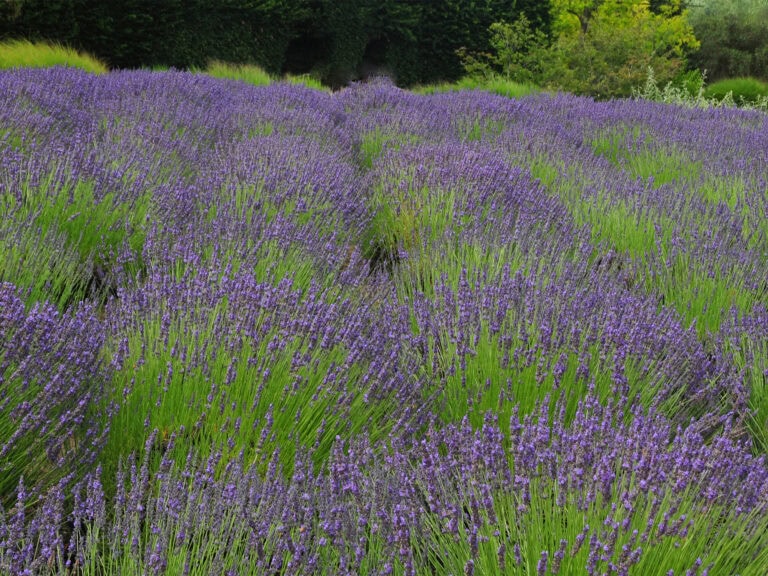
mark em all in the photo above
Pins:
pixel 279 331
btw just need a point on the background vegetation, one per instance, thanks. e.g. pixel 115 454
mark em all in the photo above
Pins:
pixel 598 47
pixel 337 40
pixel 22 53
pixel 601 48
pixel 734 38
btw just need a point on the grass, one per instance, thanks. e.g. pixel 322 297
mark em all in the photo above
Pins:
pixel 25 54
pixel 751 357
pixel 650 233
pixel 256 76
pixel 628 149
pixel 248 73
pixel 495 85
pixel 695 289
pixel 541 525
pixel 281 388
pixel 88 234
pixel 306 80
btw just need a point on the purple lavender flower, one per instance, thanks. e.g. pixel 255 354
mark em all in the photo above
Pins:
pixel 51 375
pixel 332 304
pixel 541 567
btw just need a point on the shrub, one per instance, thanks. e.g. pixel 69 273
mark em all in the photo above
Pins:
pixel 733 38
pixel 606 52
pixel 51 377
pixel 689 91
pixel 691 82
pixel 25 54
pixel 591 495
pixel 744 90
pixel 520 53
pixel 603 52
pixel 684 92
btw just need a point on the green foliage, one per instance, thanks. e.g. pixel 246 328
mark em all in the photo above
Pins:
pixel 690 82
pixel 454 25
pixel 184 34
pixel 519 53
pixel 60 243
pixel 689 90
pixel 335 40
pixel 494 84
pixel 52 20
pixel 10 10
pixel 352 39
pixel 248 73
pixel 734 38
pixel 520 50
pixel 397 24
pixel 743 90
pixel 604 48
pixel 406 39
pixel 179 33
pixel 22 53
pixel 446 27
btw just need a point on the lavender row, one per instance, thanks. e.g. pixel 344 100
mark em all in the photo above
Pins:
pixel 596 496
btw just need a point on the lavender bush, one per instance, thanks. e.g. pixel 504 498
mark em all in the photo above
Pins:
pixel 52 379
pixel 273 330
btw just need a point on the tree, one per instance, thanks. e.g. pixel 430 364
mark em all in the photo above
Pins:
pixel 734 38
pixel 10 10
pixel 519 53
pixel 605 47
pixel 53 20
pixel 450 25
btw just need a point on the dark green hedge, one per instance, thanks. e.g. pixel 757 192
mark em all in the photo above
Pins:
pixel 340 40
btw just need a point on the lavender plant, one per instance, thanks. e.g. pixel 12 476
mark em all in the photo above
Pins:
pixel 376 332
pixel 744 341
pixel 51 384
pixel 594 496
pixel 253 366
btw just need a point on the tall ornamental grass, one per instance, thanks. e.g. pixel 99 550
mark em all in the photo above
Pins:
pixel 248 73
pixel 494 84
pixel 26 54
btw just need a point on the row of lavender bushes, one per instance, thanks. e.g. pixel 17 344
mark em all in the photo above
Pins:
pixel 278 331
